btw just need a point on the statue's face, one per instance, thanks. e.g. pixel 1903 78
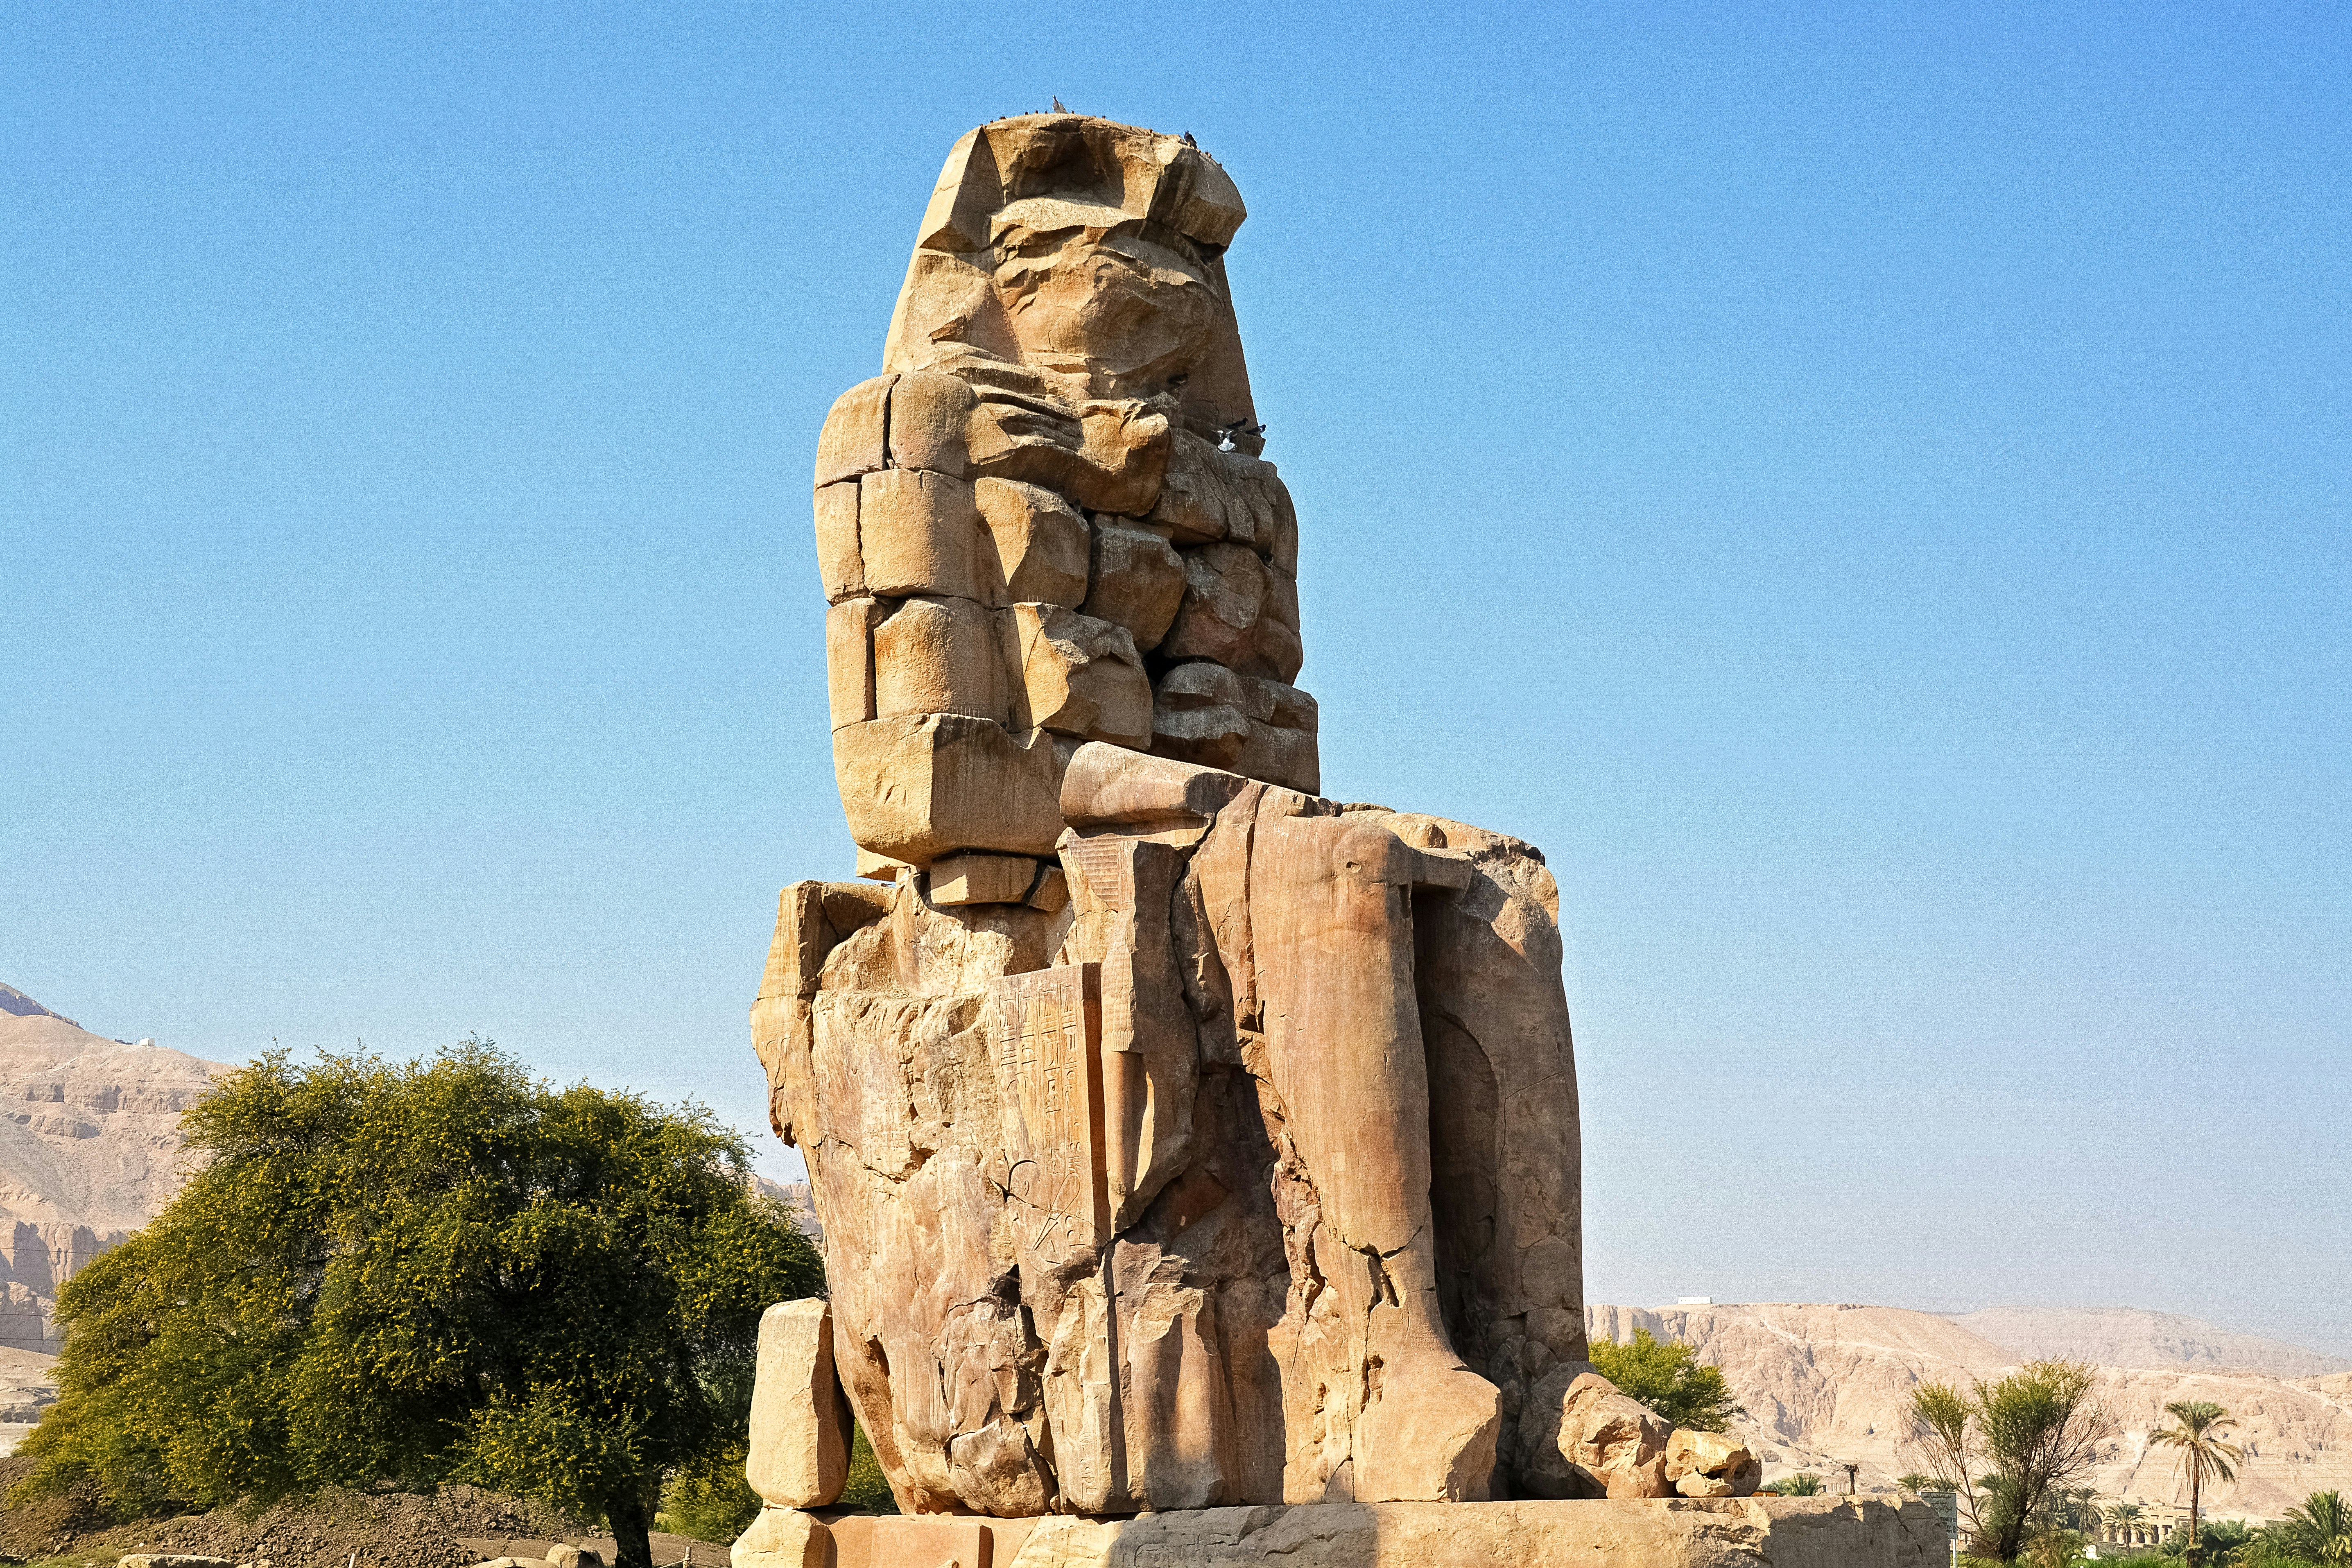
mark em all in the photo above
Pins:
pixel 1135 310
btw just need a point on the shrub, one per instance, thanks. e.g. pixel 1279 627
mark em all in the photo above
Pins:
pixel 1666 1376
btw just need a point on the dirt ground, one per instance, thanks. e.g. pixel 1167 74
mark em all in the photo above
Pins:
pixel 453 1527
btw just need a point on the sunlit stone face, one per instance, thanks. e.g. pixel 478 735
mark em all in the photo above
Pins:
pixel 1132 311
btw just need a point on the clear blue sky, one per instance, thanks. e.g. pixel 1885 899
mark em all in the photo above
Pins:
pixel 1865 489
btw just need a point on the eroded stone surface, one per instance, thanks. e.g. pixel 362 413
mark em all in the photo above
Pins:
pixel 800 1424
pixel 782 1538
pixel 1229 1160
pixel 1751 1532
pixel 1260 1315
pixel 1708 1464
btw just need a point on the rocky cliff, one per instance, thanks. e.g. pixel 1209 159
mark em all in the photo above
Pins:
pixel 89 1150
pixel 1824 1385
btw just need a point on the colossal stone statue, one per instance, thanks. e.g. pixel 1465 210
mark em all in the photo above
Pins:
pixel 1180 1137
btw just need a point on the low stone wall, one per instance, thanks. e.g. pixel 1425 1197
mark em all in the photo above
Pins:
pixel 1714 1532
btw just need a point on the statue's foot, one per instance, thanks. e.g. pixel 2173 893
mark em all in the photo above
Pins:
pixel 1429 1436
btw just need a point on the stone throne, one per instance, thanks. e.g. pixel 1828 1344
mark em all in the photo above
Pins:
pixel 1180 1137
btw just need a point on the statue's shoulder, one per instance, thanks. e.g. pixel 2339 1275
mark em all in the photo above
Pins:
pixel 906 419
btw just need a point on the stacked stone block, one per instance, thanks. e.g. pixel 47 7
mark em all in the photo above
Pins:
pixel 980 626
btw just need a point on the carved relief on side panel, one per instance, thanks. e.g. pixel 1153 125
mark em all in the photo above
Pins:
pixel 1049 1072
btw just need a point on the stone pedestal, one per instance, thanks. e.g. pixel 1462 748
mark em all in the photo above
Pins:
pixel 1714 1532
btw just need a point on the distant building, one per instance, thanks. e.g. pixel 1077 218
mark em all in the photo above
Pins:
pixel 2156 1524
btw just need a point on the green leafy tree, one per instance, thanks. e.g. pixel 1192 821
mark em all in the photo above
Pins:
pixel 2038 1428
pixel 1916 1482
pixel 710 1499
pixel 1667 1375
pixel 2198 1427
pixel 406 1274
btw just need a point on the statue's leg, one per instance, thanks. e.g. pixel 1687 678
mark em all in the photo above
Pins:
pixel 1332 906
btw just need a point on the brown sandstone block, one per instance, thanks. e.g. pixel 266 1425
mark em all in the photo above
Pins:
pixel 904 1540
pixel 1198 716
pixel 852 440
pixel 982 878
pixel 919 532
pixel 1729 1532
pixel 1225 588
pixel 1583 1438
pixel 800 1418
pixel 918 786
pixel 1286 757
pixel 1137 580
pixel 837 560
pixel 1280 704
pixel 849 658
pixel 1279 543
pixel 1117 468
pixel 957 216
pixel 879 867
pixel 1196 197
pixel 798 949
pixel 782 1538
pixel 1108 786
pixel 1075 675
pixel 1276 652
pixel 1708 1464
pixel 1052 891
pixel 1196 494
pixel 928 410
pixel 1035 545
pixel 938 656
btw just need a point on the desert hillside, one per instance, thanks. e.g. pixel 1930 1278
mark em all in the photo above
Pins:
pixel 2131 1336
pixel 1828 1385
pixel 89 1150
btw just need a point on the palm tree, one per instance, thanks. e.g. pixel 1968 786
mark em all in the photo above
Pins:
pixel 2121 1518
pixel 2319 1532
pixel 2226 1538
pixel 2197 1430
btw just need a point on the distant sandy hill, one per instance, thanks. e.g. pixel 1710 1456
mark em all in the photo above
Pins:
pixel 89 1150
pixel 1827 1384
pixel 2131 1336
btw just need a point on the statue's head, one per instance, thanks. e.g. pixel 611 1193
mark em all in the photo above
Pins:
pixel 1087 250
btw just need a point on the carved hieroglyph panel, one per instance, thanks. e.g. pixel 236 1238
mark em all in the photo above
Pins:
pixel 1049 1072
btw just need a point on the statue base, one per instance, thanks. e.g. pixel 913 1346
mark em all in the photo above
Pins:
pixel 1669 1533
